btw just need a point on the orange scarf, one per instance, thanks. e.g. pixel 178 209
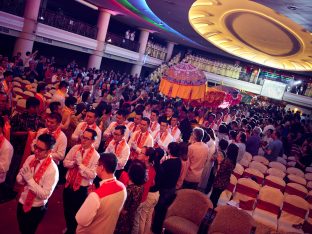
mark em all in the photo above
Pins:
pixel 141 142
pixel 37 177
pixel 85 126
pixel 74 177
pixel 153 126
pixel 119 147
pixel 174 130
pixel 55 134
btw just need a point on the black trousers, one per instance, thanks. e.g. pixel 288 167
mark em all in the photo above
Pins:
pixel 28 222
pixel 190 185
pixel 215 195
pixel 72 201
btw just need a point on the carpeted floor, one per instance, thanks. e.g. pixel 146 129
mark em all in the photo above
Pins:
pixel 52 223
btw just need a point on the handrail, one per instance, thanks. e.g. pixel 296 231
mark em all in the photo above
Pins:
pixel 15 7
pixel 61 21
pixel 122 42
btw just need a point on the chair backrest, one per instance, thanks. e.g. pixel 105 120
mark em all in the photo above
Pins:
pixel 246 191
pixel 295 171
pixel 259 166
pixel 194 210
pixel 308 169
pixel 281 160
pixel 19 79
pixel 309 185
pixel 252 172
pixel 308 176
pixel 277 165
pixel 231 220
pixel 294 209
pixel 26 82
pixel 17 89
pixel 270 199
pixel 29 93
pixel 296 189
pixel 275 182
pixel 297 179
pixel 291 158
pixel 16 84
pixel 276 172
pixel 21 103
pixel 260 159
pixel 291 163
pixel 247 156
pixel 238 170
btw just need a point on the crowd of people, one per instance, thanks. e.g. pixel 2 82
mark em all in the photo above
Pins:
pixel 156 50
pixel 122 150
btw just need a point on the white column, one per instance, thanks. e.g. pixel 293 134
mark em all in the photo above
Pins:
pixel 95 59
pixel 170 46
pixel 136 68
pixel 25 41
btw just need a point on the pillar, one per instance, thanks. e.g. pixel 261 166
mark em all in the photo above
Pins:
pixel 170 46
pixel 136 68
pixel 95 59
pixel 25 41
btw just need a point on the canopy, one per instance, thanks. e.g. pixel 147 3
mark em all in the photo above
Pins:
pixel 184 81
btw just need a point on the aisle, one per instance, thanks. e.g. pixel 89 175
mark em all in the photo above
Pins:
pixel 53 222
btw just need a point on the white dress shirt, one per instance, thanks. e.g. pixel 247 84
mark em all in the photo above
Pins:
pixel 88 172
pixel 149 142
pixel 177 133
pixel 154 127
pixel 46 185
pixel 59 149
pixel 80 129
pixel 6 153
pixel 163 144
pixel 124 154
pixel 132 128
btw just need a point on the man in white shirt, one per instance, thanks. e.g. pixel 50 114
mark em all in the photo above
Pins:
pixel 100 211
pixel 81 162
pixel 210 123
pixel 174 129
pixel 154 126
pixel 6 153
pixel 61 92
pixel 162 138
pixel 90 122
pixel 140 138
pixel 39 175
pixel 53 127
pixel 269 125
pixel 120 148
pixel 135 125
pixel 120 120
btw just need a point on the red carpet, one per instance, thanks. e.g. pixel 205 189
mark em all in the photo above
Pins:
pixel 52 223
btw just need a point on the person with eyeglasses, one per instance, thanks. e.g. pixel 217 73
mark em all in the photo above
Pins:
pixel 81 162
pixel 163 138
pixel 39 176
pixel 89 122
pixel 53 127
pixel 120 148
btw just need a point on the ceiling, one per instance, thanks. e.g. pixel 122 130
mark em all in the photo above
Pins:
pixel 169 19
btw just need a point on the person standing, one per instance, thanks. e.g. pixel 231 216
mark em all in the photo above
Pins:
pixel 198 153
pixel 275 148
pixel 39 175
pixel 162 138
pixel 81 162
pixel 100 211
pixel 61 92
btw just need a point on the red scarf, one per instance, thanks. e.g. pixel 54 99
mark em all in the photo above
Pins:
pixel 174 130
pixel 37 177
pixel 2 138
pixel 55 134
pixel 85 126
pixel 119 147
pixel 153 126
pixel 74 177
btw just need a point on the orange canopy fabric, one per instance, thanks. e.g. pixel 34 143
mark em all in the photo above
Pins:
pixel 184 81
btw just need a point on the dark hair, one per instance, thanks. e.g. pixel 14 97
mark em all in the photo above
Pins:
pixel 63 84
pixel 147 120
pixel 54 106
pixel 223 129
pixel 41 87
pixel 56 116
pixel 70 101
pixel 122 112
pixel 223 144
pixel 232 152
pixel 150 153
pixel 80 108
pixel 32 102
pixel 7 73
pixel 92 110
pixel 93 132
pixel 156 112
pixel 108 161
pixel 1 122
pixel 211 133
pixel 163 119
pixel 85 95
pixel 173 149
pixel 183 150
pixel 233 134
pixel 137 172
pixel 48 140
pixel 121 128
pixel 243 137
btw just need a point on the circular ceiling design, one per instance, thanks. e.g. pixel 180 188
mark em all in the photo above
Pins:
pixel 254 32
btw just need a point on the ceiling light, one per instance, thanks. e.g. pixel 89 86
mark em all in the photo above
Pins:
pixel 88 4
pixel 293 8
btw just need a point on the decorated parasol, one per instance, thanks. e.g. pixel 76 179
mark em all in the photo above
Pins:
pixel 184 81
pixel 212 99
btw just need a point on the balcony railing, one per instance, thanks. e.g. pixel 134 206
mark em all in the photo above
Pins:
pixel 61 21
pixel 15 7
pixel 122 42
